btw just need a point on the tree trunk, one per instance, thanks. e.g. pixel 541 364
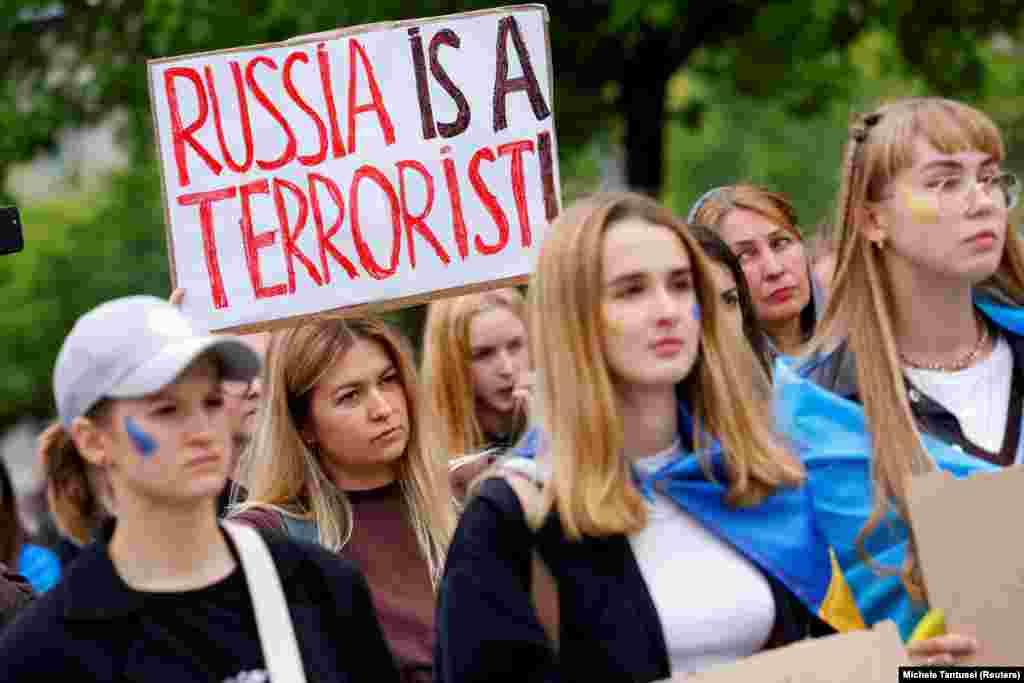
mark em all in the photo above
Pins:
pixel 644 111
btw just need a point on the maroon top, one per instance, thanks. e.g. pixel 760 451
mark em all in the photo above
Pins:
pixel 384 547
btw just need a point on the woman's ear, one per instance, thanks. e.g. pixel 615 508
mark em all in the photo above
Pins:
pixel 874 224
pixel 308 436
pixel 90 440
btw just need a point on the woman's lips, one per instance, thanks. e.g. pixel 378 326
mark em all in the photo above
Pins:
pixel 666 348
pixel 781 295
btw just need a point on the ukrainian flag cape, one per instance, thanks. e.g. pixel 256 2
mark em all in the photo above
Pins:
pixel 778 535
pixel 831 436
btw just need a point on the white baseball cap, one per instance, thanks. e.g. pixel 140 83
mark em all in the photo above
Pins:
pixel 133 347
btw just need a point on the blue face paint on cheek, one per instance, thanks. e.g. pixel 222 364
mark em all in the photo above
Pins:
pixel 144 443
pixel 696 312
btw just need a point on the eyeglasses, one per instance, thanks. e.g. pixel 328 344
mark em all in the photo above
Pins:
pixel 953 191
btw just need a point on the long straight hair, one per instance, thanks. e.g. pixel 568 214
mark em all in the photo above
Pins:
pixel 591 486
pixel 279 471
pixel 447 380
pixel 860 306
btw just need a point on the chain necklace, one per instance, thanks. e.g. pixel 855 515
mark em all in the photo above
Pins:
pixel 961 363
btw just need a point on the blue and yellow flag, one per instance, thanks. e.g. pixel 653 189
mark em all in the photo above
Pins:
pixel 830 434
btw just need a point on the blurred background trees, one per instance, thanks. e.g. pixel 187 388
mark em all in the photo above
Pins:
pixel 670 97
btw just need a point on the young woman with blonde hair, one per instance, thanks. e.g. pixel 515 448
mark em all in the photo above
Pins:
pixel 340 457
pixel 760 227
pixel 670 516
pixel 924 327
pixel 476 363
pixel 475 354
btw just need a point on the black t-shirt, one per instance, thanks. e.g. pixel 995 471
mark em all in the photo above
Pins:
pixel 214 626
pixel 92 627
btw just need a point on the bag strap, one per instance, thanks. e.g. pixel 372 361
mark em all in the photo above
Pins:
pixel 277 635
pixel 543 588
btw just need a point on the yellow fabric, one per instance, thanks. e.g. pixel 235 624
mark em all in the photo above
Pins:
pixel 838 608
pixel 931 625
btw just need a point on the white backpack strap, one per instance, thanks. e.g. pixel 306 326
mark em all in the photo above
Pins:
pixel 277 636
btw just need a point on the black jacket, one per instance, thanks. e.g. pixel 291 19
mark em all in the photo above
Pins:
pixel 609 626
pixel 91 627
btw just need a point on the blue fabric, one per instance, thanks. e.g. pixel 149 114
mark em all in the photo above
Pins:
pixel 40 566
pixel 778 535
pixel 830 434
pixel 1007 317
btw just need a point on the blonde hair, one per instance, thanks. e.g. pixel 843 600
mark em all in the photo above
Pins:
pixel 775 207
pixel 279 470
pixel 590 484
pixel 860 308
pixel 447 380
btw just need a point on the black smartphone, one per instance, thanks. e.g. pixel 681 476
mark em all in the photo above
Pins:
pixel 11 239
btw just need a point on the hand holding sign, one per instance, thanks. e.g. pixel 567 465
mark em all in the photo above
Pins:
pixel 368 167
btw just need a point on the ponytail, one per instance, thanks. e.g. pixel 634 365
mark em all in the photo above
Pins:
pixel 73 486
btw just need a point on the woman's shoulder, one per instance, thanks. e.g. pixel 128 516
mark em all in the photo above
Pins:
pixel 504 508
pixel 833 368
pixel 513 486
pixel 259 517
pixel 39 640
pixel 301 563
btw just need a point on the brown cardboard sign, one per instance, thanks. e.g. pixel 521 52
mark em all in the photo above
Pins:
pixel 868 656
pixel 972 561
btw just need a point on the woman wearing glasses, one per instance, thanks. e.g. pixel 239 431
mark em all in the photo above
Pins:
pixel 926 298
pixel 927 267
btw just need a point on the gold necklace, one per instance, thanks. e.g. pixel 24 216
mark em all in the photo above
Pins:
pixel 961 363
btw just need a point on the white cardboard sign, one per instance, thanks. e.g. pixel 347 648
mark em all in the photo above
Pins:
pixel 364 168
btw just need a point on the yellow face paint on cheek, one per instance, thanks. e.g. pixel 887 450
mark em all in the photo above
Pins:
pixel 924 208
pixel 614 325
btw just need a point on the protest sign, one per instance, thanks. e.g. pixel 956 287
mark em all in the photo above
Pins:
pixel 973 567
pixel 868 656
pixel 360 169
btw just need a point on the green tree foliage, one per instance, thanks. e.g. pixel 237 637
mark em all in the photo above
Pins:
pixel 694 93
pixel 79 251
pixel 614 59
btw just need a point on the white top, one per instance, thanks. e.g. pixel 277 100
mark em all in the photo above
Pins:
pixel 979 396
pixel 715 606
